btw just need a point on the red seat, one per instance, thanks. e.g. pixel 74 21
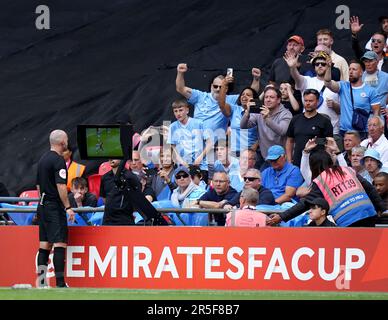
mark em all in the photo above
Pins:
pixel 28 194
pixel 104 168
pixel 94 182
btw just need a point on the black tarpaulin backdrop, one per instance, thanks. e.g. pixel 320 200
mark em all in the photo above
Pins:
pixel 104 58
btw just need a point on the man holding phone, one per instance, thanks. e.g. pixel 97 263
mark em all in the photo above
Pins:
pixel 272 121
pixel 206 106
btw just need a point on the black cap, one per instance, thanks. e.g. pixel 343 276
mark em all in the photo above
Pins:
pixel 195 170
pixel 320 202
pixel 381 18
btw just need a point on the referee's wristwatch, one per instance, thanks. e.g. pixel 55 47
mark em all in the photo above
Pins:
pixel 67 208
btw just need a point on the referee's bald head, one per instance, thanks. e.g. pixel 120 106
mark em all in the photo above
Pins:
pixel 57 137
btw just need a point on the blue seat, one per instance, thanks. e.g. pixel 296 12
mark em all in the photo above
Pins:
pixel 298 221
pixel 193 219
pixel 96 217
pixel 189 219
pixel 82 219
pixel 100 202
pixel 20 218
pixel 165 194
pixel 168 204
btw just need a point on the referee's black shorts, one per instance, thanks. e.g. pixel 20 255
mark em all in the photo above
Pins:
pixel 52 222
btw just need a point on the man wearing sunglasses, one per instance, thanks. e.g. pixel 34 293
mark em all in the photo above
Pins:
pixel 206 107
pixel 218 196
pixel 187 190
pixel 377 42
pixel 325 37
pixel 252 179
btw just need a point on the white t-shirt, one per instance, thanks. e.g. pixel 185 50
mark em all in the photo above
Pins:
pixel 315 83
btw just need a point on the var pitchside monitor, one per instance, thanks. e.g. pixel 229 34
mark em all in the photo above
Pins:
pixel 100 141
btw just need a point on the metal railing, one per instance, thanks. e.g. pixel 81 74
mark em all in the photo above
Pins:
pixel 161 210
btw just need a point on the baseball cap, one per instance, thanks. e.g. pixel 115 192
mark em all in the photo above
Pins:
pixel 370 55
pixel 320 202
pixel 275 152
pixel 194 170
pixel 374 154
pixel 297 39
pixel 381 18
pixel 181 169
pixel 320 55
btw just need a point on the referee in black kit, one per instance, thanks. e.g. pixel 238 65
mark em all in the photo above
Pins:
pixel 53 206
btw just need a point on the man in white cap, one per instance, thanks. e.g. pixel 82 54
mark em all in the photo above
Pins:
pixel 372 162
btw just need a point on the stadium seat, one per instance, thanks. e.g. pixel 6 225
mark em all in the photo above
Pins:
pixel 82 219
pixel 100 202
pixel 94 182
pixel 165 194
pixel 104 168
pixel 182 219
pixel 19 218
pixel 28 194
pixel 96 218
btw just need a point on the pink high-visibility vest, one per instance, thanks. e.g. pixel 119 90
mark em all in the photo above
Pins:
pixel 246 218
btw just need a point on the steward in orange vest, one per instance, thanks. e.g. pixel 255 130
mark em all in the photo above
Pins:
pixel 74 169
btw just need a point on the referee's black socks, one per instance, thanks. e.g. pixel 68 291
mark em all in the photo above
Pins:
pixel 59 266
pixel 43 257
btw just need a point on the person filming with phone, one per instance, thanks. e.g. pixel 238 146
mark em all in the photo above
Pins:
pixel 241 139
pixel 271 121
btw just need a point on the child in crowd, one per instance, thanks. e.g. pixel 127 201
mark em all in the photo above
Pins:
pixel 381 184
pixel 81 197
pixel 319 209
pixel 187 138
pixel 288 99
pixel 196 177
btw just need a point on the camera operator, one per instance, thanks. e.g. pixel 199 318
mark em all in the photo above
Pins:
pixel 118 206
pixel 123 195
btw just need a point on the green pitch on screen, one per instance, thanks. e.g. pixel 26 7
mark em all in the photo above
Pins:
pixel 103 142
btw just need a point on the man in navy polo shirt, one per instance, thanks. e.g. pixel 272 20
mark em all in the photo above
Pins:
pixel 282 178
pixel 218 196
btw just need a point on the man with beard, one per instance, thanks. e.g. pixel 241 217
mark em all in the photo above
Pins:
pixel 353 94
pixel 328 100
pixel 306 126
pixel 279 70
pixel 325 37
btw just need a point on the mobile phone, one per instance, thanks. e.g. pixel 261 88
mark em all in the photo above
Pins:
pixel 255 109
pixel 321 141
pixel 229 72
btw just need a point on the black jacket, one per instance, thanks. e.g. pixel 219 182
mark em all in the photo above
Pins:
pixel 359 52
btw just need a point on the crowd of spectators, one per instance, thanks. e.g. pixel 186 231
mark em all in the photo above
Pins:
pixel 255 147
